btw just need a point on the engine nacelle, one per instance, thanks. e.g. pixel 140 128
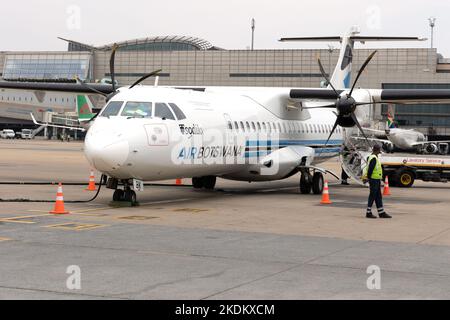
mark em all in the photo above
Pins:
pixel 431 148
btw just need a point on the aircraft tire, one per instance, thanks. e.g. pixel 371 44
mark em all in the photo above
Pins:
pixel 118 195
pixel 130 196
pixel 305 186
pixel 197 182
pixel 318 183
pixel 209 182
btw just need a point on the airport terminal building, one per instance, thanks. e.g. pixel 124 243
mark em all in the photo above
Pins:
pixel 188 61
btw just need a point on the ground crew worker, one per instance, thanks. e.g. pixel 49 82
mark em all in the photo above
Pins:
pixel 373 173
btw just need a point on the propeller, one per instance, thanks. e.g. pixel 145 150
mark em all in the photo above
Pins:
pixel 345 104
pixel 151 74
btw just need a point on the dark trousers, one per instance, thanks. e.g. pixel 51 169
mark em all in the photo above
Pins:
pixel 375 195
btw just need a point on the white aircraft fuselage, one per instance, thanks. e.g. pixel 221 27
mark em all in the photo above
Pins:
pixel 405 139
pixel 247 134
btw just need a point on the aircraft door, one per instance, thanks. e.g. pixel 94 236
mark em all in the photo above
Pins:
pixel 157 134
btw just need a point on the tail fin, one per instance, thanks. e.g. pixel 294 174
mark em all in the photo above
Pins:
pixel 390 121
pixel 342 73
pixel 84 108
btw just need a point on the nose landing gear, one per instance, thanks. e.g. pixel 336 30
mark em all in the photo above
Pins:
pixel 122 195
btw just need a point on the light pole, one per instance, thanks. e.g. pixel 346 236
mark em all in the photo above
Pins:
pixel 330 52
pixel 432 21
pixel 253 32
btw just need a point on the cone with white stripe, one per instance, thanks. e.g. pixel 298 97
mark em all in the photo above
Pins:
pixel 91 186
pixel 178 182
pixel 59 204
pixel 325 194
pixel 386 190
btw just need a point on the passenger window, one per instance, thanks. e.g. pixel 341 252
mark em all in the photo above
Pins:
pixel 180 115
pixel 230 125
pixel 137 109
pixel 253 126
pixel 279 127
pixel 242 126
pixel 112 109
pixel 259 126
pixel 236 125
pixel 248 126
pixel 264 126
pixel 162 111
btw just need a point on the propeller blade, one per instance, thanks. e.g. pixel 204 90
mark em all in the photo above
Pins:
pixel 332 131
pixel 405 103
pixel 111 65
pixel 91 119
pixel 355 119
pixel 362 70
pixel 154 73
pixel 319 107
pixel 324 75
pixel 90 88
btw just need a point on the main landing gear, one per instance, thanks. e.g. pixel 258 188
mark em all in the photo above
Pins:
pixel 311 182
pixel 122 195
pixel 207 182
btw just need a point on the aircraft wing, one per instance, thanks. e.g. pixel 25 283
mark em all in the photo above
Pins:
pixel 400 96
pixel 58 87
pixel 383 141
pixel 377 133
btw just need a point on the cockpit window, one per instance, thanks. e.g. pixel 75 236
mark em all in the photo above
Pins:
pixel 180 115
pixel 137 109
pixel 112 109
pixel 163 111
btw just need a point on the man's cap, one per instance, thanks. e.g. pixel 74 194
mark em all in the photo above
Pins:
pixel 376 148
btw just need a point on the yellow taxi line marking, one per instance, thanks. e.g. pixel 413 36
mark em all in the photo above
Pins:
pixel 113 208
pixel 4 239
pixel 19 219
pixel 75 226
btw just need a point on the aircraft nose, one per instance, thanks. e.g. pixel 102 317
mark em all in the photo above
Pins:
pixel 104 153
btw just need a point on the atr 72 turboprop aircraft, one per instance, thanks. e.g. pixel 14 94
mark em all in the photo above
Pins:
pixel 148 133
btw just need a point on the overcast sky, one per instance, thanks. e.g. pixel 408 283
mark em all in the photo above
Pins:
pixel 35 25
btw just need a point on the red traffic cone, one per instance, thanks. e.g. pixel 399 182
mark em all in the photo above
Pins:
pixel 386 191
pixel 178 182
pixel 59 204
pixel 91 186
pixel 325 195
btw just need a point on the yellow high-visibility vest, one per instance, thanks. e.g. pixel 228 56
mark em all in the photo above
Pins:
pixel 377 172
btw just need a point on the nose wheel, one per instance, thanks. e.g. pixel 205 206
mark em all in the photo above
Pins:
pixel 122 195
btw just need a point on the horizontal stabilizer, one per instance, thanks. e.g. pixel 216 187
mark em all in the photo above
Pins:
pixel 353 38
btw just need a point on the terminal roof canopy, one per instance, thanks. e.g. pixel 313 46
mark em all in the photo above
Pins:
pixel 162 43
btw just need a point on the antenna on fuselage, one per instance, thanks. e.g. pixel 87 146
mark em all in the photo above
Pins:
pixel 156 81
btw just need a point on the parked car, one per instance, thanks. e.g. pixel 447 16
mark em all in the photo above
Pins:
pixel 7 134
pixel 26 134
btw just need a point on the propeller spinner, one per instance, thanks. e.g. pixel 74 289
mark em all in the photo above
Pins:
pixel 345 104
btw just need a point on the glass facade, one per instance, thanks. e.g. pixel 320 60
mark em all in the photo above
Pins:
pixel 421 115
pixel 158 46
pixel 46 67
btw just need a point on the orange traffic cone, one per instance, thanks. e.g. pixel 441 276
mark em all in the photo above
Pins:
pixel 178 182
pixel 386 191
pixel 59 204
pixel 91 186
pixel 325 194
